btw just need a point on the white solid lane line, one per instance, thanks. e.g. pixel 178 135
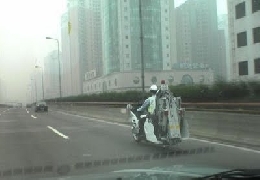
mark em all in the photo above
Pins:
pixel 33 116
pixel 226 145
pixel 57 132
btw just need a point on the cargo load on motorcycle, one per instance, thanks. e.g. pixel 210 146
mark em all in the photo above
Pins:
pixel 166 126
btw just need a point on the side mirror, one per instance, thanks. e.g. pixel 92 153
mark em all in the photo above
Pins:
pixel 129 107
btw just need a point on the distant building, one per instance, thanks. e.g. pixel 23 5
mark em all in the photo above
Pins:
pixel 222 55
pixel 197 34
pixel 2 93
pixel 51 76
pixel 244 41
pixel 223 26
pixel 36 85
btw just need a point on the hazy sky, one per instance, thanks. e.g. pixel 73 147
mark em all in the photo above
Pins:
pixel 23 28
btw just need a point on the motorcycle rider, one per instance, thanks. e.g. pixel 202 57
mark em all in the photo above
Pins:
pixel 149 105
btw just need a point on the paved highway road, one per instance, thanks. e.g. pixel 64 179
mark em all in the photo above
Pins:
pixel 40 143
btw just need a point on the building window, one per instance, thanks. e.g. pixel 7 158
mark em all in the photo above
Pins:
pixel 127 55
pixel 243 68
pixel 168 55
pixel 257 66
pixel 125 0
pixel 115 82
pixel 166 19
pixel 166 10
pixel 241 39
pixel 167 46
pixel 109 83
pixel 127 46
pixel 166 28
pixel 126 37
pixel 256 35
pixel 125 9
pixel 167 37
pixel 240 10
pixel 126 18
pixel 255 5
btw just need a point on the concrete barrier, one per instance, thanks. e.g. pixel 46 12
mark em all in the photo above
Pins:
pixel 226 127
pixel 248 107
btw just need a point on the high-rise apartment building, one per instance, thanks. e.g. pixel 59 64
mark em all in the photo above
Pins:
pixel 94 38
pixel 81 41
pixel 197 34
pixel 244 38
pixel 73 50
pixel 121 35
pixel 65 57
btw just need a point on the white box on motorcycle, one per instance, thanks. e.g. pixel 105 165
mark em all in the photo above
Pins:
pixel 164 86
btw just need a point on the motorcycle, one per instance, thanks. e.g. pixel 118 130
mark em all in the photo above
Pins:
pixel 167 127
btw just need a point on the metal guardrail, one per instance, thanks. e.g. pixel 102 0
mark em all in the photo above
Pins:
pixel 124 103
pixel 236 106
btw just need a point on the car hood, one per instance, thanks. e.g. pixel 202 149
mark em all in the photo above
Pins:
pixel 157 172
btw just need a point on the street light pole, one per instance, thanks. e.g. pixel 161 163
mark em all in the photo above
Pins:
pixel 58 43
pixel 141 43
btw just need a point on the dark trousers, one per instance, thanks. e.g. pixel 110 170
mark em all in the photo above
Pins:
pixel 141 125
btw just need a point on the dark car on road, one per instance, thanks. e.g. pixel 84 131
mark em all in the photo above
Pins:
pixel 41 106
pixel 28 105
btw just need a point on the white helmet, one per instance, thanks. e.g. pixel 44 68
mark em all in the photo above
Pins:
pixel 153 87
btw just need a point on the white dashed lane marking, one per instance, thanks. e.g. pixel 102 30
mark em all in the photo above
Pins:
pixel 33 116
pixel 57 132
